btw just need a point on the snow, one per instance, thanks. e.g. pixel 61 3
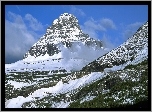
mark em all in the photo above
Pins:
pixel 58 88
pixel 19 84
pixel 41 63
pixel 61 104
pixel 66 63
pixel 141 56
pixel 121 52
pixel 137 89
pixel 69 59
pixel 87 98
pixel 71 62
pixel 123 76
pixel 39 79
pixel 17 102
pixel 128 100
pixel 42 58
pixel 114 68
pixel 135 79
pixel 55 21
pixel 105 91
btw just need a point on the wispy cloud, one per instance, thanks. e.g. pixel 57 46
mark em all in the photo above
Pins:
pixel 92 27
pixel 130 29
pixel 18 8
pixel 16 19
pixel 33 23
pixel 77 11
pixel 108 43
pixel 107 23
pixel 18 38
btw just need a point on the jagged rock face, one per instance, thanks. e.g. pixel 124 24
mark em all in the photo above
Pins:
pixel 64 31
pixel 128 51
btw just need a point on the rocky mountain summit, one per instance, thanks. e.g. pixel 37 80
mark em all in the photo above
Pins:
pixel 64 32
pixel 64 47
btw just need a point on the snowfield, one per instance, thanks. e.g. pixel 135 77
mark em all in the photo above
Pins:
pixel 19 84
pixel 60 87
pixel 69 59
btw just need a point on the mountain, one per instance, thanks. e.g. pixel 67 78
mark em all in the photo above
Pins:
pixel 130 52
pixel 65 31
pixel 121 77
pixel 63 47
pixel 117 79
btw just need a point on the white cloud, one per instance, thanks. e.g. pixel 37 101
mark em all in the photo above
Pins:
pixel 92 33
pixel 16 19
pixel 34 24
pixel 107 43
pixel 80 52
pixel 135 25
pixel 77 11
pixel 108 23
pixel 131 29
pixel 18 39
pixel 92 27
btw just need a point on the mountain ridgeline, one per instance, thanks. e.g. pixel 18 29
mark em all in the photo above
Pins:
pixel 65 31
pixel 128 51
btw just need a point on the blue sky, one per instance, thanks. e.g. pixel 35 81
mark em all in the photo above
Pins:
pixel 112 24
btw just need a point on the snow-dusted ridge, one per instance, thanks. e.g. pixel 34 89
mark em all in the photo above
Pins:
pixel 134 50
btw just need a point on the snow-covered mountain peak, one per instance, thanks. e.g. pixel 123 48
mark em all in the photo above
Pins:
pixel 64 24
pixel 65 17
pixel 66 32
pixel 63 43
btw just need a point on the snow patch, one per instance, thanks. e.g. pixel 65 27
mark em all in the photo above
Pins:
pixel 128 100
pixel 61 104
pixel 18 84
pixel 87 98
pixel 16 102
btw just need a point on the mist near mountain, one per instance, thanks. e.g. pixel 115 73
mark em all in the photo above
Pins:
pixel 80 52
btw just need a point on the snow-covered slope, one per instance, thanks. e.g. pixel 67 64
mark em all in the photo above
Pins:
pixel 133 51
pixel 65 60
pixel 103 76
pixel 57 89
